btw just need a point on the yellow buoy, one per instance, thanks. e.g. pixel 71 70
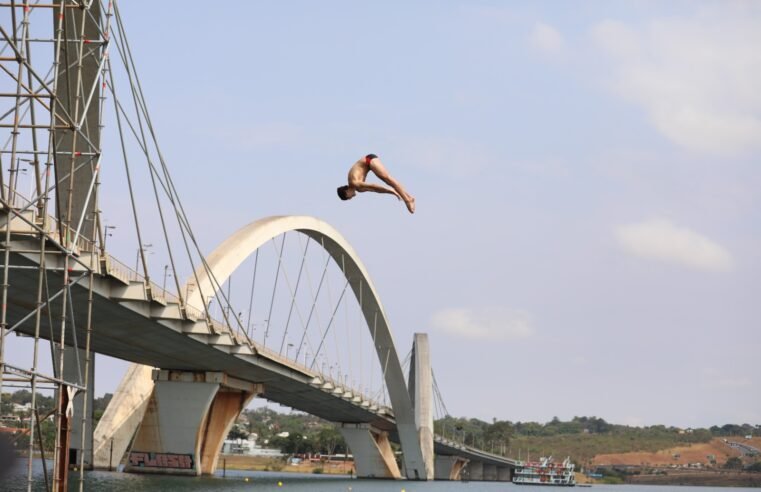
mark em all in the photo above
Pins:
pixel 280 484
pixel 245 479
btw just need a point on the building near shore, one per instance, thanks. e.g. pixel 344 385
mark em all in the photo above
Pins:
pixel 249 448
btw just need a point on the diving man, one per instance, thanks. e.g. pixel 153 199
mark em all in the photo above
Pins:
pixel 357 184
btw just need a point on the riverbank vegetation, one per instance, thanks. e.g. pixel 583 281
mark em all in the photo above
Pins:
pixel 582 438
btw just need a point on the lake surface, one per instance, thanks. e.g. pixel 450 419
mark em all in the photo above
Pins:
pixel 98 481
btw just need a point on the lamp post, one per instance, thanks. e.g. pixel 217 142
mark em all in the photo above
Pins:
pixel 143 248
pixel 106 234
pixel 209 300
pixel 166 273
pixel 463 434
pixel 287 349
pixel 13 181
pixel 19 171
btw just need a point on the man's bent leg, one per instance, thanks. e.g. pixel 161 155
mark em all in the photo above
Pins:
pixel 377 167
pixel 409 200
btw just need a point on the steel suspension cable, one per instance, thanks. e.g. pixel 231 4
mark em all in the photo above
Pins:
pixel 179 211
pixel 150 171
pixel 274 288
pixel 360 322
pixel 347 327
pixel 438 392
pixel 335 332
pixel 330 323
pixel 185 229
pixel 130 188
pixel 312 309
pixel 251 299
pixel 294 293
pixel 329 291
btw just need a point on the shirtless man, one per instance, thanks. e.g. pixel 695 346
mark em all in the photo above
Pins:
pixel 357 184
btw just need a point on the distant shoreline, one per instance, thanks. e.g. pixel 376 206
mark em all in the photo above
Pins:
pixel 717 478
pixel 260 463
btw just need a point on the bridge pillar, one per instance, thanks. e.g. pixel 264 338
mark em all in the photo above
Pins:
pixel 73 371
pixel 490 472
pixel 476 470
pixel 122 417
pixel 373 456
pixel 449 467
pixel 186 421
pixel 421 393
pixel 504 474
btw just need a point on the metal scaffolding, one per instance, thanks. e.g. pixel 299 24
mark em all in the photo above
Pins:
pixel 52 57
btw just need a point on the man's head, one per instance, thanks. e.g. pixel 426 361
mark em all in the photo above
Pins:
pixel 345 193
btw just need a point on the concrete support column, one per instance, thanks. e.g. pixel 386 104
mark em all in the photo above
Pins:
pixel 122 417
pixel 421 393
pixel 373 456
pixel 504 474
pixel 449 467
pixel 490 473
pixel 71 372
pixel 186 420
pixel 223 413
pixel 475 470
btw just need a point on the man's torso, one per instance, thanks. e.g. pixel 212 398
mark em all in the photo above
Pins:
pixel 358 172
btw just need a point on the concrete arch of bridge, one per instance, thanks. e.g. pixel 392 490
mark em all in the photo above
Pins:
pixel 229 255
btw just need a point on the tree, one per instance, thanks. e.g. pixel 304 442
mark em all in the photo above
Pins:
pixel 499 432
pixel 295 443
pixel 329 441
pixel 21 397
pixel 734 463
pixel 6 407
pixel 731 430
pixel 237 432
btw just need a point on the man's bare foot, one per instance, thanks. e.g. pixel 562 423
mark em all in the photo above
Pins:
pixel 410 202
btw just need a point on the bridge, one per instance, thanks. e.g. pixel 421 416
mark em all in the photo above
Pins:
pixel 196 361
pixel 140 322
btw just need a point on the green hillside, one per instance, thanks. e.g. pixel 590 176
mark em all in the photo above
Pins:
pixel 581 438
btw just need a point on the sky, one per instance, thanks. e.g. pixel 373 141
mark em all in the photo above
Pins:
pixel 588 229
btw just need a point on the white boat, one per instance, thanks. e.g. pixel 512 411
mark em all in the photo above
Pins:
pixel 545 472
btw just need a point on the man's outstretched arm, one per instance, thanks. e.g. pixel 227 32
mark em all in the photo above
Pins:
pixel 362 187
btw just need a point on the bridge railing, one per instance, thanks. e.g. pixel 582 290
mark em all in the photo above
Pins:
pixel 15 199
pixel 117 269
pixel 19 201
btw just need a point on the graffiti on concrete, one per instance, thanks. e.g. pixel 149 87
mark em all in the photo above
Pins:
pixel 161 460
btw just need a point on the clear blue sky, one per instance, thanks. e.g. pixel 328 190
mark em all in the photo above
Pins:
pixel 588 233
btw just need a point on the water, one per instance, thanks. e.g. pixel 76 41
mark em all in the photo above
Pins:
pixel 99 481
